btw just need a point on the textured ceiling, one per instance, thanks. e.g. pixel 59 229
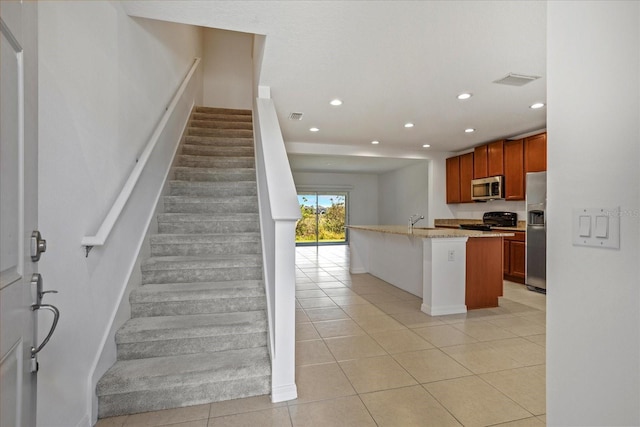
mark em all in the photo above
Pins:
pixel 390 62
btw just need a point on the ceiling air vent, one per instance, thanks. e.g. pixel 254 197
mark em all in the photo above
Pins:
pixel 512 79
pixel 295 116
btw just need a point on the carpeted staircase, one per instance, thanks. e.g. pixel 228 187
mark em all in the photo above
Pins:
pixel 198 331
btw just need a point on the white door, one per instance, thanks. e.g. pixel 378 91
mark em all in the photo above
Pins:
pixel 18 212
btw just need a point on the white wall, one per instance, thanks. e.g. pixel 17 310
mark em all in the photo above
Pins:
pixel 105 80
pixel 402 193
pixel 362 208
pixel 475 210
pixel 228 69
pixel 593 300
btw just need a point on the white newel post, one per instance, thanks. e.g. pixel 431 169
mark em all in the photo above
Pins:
pixel 283 381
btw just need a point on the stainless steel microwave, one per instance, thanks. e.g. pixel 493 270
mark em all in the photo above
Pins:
pixel 487 188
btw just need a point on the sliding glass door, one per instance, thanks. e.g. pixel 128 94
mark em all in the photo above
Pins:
pixel 323 219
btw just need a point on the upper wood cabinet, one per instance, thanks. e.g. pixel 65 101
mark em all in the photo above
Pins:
pixel 480 161
pixel 466 175
pixel 488 160
pixel 495 158
pixel 514 170
pixel 535 153
pixel 453 180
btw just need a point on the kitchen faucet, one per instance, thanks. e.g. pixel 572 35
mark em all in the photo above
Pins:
pixel 413 222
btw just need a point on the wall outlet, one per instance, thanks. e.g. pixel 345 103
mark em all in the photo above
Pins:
pixel 452 255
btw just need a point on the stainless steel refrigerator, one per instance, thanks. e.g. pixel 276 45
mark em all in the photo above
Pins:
pixel 536 251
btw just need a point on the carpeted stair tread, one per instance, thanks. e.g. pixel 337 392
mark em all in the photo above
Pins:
pixel 239 133
pixel 205 238
pixel 207 151
pixel 214 175
pixel 221 124
pixel 166 292
pixel 212 189
pixel 221 116
pixel 212 261
pixel 218 141
pixel 190 204
pixel 216 162
pixel 191 326
pixel 220 110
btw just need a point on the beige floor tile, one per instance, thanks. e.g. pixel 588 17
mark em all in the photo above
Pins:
pixel 524 385
pixel 331 313
pixel 543 418
pixel 349 300
pixel 538 339
pixel 168 416
pixel 312 352
pixel 481 358
pixel 400 341
pixel 431 365
pixel 239 406
pixel 521 326
pixel 417 319
pixel 474 402
pixel 372 324
pixel 521 350
pixel 356 347
pixel 338 328
pixel 380 298
pixel 342 412
pixel 407 407
pixel 321 382
pixel 376 373
pixel 325 286
pixel 301 316
pixel 311 293
pixel 316 302
pixel 340 292
pixel 362 310
pixel 111 421
pixel 483 331
pixel 277 417
pixel 444 335
pixel 395 307
pixel 198 423
pixel 306 331
pixel 526 422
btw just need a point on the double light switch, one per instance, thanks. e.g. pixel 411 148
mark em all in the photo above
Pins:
pixel 599 227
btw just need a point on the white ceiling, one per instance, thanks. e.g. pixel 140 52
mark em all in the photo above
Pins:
pixel 390 62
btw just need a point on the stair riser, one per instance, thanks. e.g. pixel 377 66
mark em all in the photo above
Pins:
pixel 229 133
pixel 180 308
pixel 180 396
pixel 202 275
pixel 222 117
pixel 216 162
pixel 221 124
pixel 187 249
pixel 173 347
pixel 173 207
pixel 204 175
pixel 212 190
pixel 218 141
pixel 226 111
pixel 203 150
pixel 182 227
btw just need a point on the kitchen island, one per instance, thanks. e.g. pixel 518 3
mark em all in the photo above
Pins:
pixel 451 270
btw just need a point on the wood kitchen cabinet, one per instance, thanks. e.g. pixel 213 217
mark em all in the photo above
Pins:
pixel 495 158
pixel 514 175
pixel 453 180
pixel 514 257
pixel 459 176
pixel 535 153
pixel 480 161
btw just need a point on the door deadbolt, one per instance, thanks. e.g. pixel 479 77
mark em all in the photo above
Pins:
pixel 38 246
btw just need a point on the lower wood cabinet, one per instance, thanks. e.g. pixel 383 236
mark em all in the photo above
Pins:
pixel 515 257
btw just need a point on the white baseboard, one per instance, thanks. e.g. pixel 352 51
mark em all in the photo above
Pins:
pixel 443 310
pixel 284 393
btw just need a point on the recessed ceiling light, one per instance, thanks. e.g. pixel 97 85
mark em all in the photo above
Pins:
pixel 408 125
pixel 537 105
pixel 464 96
pixel 469 130
pixel 426 146
pixel 336 102
pixel 375 142
pixel 314 129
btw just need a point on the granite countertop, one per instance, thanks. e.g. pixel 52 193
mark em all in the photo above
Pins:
pixel 449 222
pixel 428 233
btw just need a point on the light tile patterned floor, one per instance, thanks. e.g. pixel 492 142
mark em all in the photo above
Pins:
pixel 367 356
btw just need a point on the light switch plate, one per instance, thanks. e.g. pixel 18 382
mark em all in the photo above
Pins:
pixel 604 230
